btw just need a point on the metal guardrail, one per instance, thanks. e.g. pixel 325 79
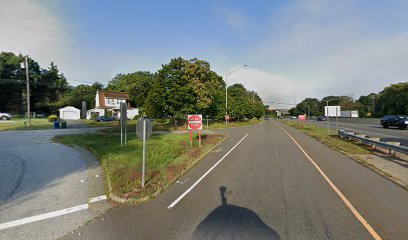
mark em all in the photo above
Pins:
pixel 368 141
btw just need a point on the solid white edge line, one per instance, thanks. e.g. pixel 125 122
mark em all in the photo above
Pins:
pixel 359 217
pixel 203 176
pixel 43 216
pixel 57 213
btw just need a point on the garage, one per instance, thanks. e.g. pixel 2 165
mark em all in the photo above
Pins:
pixel 70 113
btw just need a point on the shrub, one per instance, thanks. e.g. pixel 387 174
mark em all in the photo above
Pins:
pixel 52 118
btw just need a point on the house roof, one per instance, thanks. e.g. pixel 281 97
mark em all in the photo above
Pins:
pixel 69 108
pixel 110 94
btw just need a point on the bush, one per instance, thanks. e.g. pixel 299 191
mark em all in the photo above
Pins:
pixel 52 118
pixel 94 116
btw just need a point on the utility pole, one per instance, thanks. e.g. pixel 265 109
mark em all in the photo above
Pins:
pixel 328 117
pixel 28 90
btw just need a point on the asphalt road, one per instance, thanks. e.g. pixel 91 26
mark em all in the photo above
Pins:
pixel 265 188
pixel 369 129
pixel 39 176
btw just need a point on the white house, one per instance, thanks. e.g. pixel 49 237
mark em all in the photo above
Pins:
pixel 70 113
pixel 110 101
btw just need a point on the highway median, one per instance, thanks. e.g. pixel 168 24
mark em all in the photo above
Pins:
pixel 168 158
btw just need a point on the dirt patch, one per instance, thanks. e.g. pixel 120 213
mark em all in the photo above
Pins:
pixel 172 171
pixel 194 153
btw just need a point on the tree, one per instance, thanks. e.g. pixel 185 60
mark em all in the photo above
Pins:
pixel 239 104
pixel 137 84
pixel 311 106
pixel 393 100
pixel 77 95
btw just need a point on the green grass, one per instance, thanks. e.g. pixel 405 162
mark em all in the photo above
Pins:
pixel 168 125
pixel 18 124
pixel 329 138
pixel 168 157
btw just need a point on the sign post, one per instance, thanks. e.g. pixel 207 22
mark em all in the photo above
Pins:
pixel 227 119
pixel 123 123
pixel 143 131
pixel 83 113
pixel 195 122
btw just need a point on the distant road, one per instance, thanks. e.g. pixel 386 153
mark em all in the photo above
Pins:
pixel 363 126
pixel 261 184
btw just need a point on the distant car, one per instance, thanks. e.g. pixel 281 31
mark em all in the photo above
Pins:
pixel 321 118
pixel 394 121
pixel 104 119
pixel 5 116
pixel 279 117
pixel 266 118
pixel 293 117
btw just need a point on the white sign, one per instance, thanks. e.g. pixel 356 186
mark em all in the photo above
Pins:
pixel 332 111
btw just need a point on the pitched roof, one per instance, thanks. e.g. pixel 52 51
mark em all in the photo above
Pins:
pixel 110 94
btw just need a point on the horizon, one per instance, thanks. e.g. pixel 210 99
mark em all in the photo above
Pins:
pixel 293 49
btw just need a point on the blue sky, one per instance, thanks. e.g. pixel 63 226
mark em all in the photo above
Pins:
pixel 293 49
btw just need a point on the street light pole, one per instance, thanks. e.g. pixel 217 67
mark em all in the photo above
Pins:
pixel 226 88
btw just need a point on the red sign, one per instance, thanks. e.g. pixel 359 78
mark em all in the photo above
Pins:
pixel 302 118
pixel 195 122
pixel 226 117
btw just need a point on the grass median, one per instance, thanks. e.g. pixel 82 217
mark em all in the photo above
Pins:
pixel 329 138
pixel 168 157
pixel 21 124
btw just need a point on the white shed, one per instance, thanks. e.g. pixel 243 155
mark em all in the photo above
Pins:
pixel 70 113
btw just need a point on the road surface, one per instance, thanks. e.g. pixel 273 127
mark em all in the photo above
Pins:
pixel 39 176
pixel 369 129
pixel 259 184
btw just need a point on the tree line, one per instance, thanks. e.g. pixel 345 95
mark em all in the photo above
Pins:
pixel 393 100
pixel 179 87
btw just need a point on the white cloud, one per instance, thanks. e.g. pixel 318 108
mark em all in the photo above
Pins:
pixel 278 90
pixel 332 47
pixel 29 28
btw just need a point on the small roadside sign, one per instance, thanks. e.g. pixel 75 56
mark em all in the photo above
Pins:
pixel 226 117
pixel 302 118
pixel 139 128
pixel 195 122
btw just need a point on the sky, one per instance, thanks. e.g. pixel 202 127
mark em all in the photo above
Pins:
pixel 292 48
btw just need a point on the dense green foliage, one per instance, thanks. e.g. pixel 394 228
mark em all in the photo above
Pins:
pixel 179 88
pixel 47 86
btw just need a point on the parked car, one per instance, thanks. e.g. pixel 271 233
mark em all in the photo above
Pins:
pixel 394 121
pixel 104 119
pixel 5 116
pixel 280 117
pixel 293 117
pixel 321 118
pixel 266 118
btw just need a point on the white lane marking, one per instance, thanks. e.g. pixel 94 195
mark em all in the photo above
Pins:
pixel 44 216
pixel 97 199
pixel 205 174
pixel 182 181
pixel 360 218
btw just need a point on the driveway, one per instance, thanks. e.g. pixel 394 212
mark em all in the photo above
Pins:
pixel 42 181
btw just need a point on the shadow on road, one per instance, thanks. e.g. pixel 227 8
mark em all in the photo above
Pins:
pixel 233 222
